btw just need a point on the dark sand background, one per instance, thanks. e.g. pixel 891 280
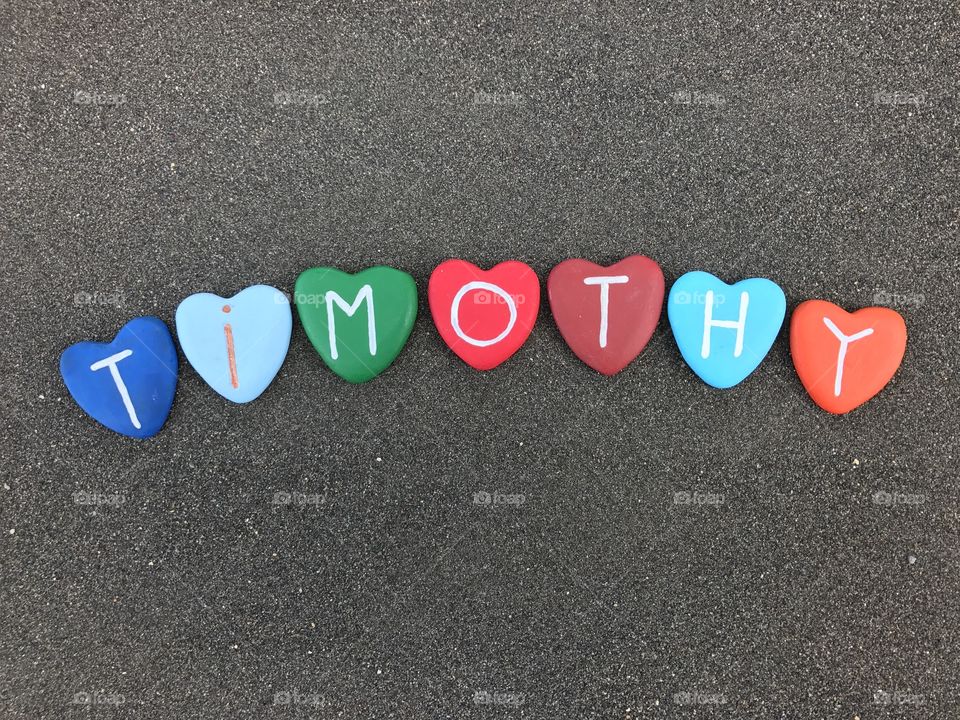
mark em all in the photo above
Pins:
pixel 149 153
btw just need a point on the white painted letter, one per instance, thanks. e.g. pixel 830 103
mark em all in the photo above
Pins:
pixel 111 362
pixel 605 282
pixel 709 322
pixel 366 293
pixel 455 312
pixel 845 340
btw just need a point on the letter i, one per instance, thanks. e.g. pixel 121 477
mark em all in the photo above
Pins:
pixel 231 353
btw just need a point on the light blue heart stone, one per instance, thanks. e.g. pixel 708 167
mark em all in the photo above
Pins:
pixel 237 344
pixel 724 331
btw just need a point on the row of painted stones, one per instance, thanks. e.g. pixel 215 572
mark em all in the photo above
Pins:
pixel 360 322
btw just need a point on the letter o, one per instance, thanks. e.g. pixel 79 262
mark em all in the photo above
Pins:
pixel 455 312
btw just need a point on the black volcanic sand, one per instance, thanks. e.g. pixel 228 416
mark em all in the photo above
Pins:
pixel 149 154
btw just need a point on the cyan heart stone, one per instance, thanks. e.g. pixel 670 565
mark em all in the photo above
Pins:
pixel 236 344
pixel 724 331
pixel 128 384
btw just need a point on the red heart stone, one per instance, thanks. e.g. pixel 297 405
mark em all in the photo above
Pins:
pixel 844 359
pixel 484 316
pixel 607 315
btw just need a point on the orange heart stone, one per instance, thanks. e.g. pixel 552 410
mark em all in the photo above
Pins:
pixel 844 359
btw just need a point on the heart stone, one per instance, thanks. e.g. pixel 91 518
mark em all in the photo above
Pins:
pixel 128 384
pixel 358 323
pixel 484 316
pixel 237 344
pixel 607 315
pixel 724 331
pixel 844 359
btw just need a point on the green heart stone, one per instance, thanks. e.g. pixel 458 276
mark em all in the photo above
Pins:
pixel 358 323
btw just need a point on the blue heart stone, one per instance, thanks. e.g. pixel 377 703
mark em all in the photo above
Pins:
pixel 127 385
pixel 724 331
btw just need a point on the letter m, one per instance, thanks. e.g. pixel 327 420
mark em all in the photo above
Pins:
pixel 365 294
